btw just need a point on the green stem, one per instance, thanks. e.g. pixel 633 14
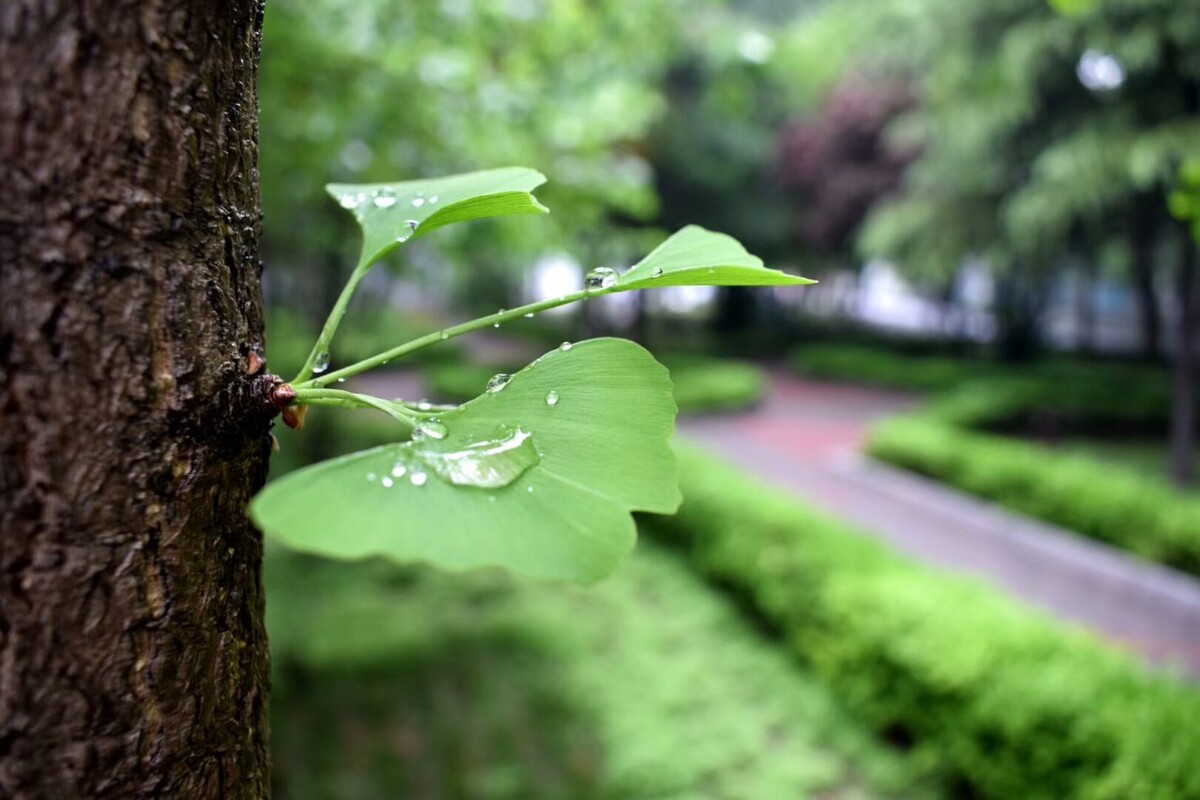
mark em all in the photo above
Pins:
pixel 308 396
pixel 332 322
pixel 448 333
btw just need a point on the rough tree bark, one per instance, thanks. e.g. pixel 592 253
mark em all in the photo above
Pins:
pixel 133 660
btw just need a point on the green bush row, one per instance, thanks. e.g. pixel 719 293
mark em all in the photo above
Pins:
pixel 701 384
pixel 1086 391
pixel 394 682
pixel 1140 513
pixel 998 700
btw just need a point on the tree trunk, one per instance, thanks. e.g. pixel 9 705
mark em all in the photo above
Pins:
pixel 1141 246
pixel 133 659
pixel 1183 401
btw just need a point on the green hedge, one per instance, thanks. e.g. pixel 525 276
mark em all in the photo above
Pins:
pixel 1126 391
pixel 1142 514
pixel 999 700
pixel 393 682
pixel 864 364
pixel 701 384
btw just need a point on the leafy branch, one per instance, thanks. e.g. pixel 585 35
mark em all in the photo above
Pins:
pixel 539 473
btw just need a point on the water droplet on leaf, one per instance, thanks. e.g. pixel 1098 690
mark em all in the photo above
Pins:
pixel 443 336
pixel 418 478
pixel 398 470
pixel 551 398
pixel 387 483
pixel 600 278
pixel 371 476
pixel 418 202
pixel 491 463
pixel 565 346
pixel 348 202
pixel 432 428
pixel 384 201
pixel 322 363
pixel 497 382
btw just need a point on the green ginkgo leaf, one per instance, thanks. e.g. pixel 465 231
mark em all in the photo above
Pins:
pixel 697 257
pixel 392 213
pixel 539 474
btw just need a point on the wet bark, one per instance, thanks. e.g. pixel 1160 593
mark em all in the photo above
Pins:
pixel 1183 401
pixel 133 658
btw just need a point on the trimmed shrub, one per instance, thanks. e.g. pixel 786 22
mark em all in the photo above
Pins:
pixel 1000 701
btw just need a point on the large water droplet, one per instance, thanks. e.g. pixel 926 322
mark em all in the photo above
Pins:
pixel 551 398
pixel 322 363
pixel 432 428
pixel 418 478
pixel 398 470
pixel 497 382
pixel 600 278
pixel 489 464
pixel 383 201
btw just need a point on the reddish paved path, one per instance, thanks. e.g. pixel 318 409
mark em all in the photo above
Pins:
pixel 806 439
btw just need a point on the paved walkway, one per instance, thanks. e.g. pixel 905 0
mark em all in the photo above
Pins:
pixel 806 438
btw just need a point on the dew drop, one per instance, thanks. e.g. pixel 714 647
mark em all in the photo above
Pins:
pixel 432 428
pixel 398 470
pixel 341 380
pixel 565 346
pixel 348 202
pixel 529 489
pixel 495 324
pixel 418 478
pixel 424 405
pixel 529 315
pixel 384 201
pixel 600 278
pixel 657 272
pixel 433 199
pixel 490 463
pixel 497 382
pixel 322 363
pixel 443 336
pixel 387 483
pixel 371 476
pixel 551 398
pixel 418 202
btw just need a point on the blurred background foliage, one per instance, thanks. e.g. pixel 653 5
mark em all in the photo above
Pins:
pixel 1002 199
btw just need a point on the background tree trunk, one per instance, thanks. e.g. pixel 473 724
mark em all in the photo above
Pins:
pixel 1141 248
pixel 1183 401
pixel 133 660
